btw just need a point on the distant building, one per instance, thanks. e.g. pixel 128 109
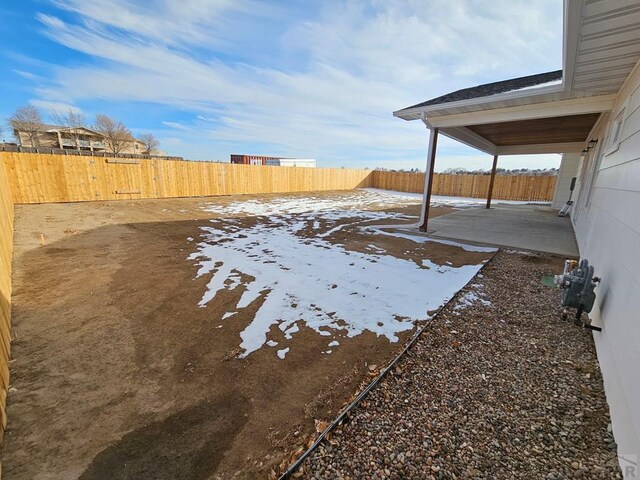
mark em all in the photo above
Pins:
pixel 273 161
pixel 292 162
pixel 250 159
pixel 55 136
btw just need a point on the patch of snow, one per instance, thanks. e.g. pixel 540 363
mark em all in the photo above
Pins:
pixel 290 331
pixel 551 83
pixel 471 297
pixel 189 239
pixel 283 353
pixel 423 239
pixel 376 248
pixel 228 314
pixel 519 252
pixel 335 343
pixel 329 288
pixel 447 201
pixel 272 343
pixel 354 201
pixel 416 197
pixel 460 202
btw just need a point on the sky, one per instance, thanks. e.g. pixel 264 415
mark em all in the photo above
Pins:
pixel 296 78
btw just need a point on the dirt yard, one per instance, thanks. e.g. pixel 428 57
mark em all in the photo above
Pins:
pixel 200 338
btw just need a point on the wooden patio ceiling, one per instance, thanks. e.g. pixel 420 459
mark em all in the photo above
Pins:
pixel 566 129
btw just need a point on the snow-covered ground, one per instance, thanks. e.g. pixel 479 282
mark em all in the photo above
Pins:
pixel 474 295
pixel 456 202
pixel 385 230
pixel 356 200
pixel 288 260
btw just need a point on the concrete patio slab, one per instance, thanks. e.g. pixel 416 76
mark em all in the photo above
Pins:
pixel 527 227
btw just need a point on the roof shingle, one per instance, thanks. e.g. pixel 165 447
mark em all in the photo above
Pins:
pixel 494 88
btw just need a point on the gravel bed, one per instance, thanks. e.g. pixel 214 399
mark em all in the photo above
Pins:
pixel 498 387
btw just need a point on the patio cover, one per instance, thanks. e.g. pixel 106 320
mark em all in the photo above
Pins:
pixel 552 112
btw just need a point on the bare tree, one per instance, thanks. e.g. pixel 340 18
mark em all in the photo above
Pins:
pixel 117 137
pixel 27 119
pixel 73 122
pixel 151 143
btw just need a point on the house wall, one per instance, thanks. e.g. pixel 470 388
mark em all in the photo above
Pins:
pixel 568 169
pixel 251 159
pixel 44 140
pixel 136 147
pixel 47 140
pixel 297 162
pixel 607 226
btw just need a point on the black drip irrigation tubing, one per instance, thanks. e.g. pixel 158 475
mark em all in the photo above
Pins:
pixel 383 373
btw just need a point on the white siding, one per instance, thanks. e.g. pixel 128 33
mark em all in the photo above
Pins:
pixel 568 169
pixel 298 162
pixel 608 233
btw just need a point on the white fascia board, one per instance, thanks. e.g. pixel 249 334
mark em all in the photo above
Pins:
pixel 74 130
pixel 414 113
pixel 570 40
pixel 560 108
pixel 568 147
pixel 471 139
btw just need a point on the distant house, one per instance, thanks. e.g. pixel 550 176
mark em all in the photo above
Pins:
pixel 272 161
pixel 82 138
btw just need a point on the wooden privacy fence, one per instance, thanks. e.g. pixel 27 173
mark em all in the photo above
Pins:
pixel 41 178
pixel 6 250
pixel 506 187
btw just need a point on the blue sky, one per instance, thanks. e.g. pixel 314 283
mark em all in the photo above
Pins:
pixel 291 78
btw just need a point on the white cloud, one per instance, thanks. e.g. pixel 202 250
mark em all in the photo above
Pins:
pixel 51 107
pixel 176 125
pixel 181 22
pixel 353 64
pixel 171 141
pixel 27 75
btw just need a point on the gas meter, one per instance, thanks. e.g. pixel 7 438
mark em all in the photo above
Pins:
pixel 578 285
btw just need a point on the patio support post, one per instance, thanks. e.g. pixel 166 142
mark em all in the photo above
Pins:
pixel 428 179
pixel 493 178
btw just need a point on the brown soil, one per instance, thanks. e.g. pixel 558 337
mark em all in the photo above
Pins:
pixel 116 373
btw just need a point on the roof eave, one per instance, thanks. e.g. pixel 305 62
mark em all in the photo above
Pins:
pixel 416 112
